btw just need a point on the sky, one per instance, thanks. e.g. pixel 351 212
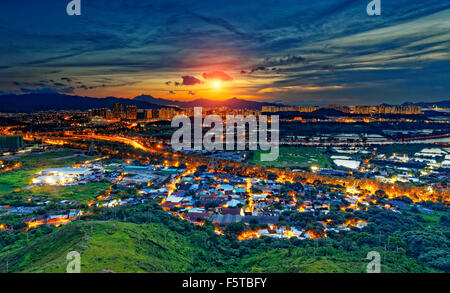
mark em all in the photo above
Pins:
pixel 295 52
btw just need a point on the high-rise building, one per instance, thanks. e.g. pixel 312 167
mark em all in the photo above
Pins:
pixel 144 114
pixel 131 113
pixel 274 109
pixel 105 113
pixel 365 110
pixel 168 113
pixel 118 111
pixel 148 114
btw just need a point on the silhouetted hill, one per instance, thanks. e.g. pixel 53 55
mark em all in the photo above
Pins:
pixel 431 113
pixel 320 113
pixel 328 113
pixel 57 102
pixel 233 103
pixel 153 100
pixel 441 104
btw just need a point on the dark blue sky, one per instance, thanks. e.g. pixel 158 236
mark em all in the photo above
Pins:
pixel 298 52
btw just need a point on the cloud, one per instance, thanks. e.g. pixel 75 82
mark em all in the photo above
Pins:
pixel 191 80
pixel 327 67
pixel 405 51
pixel 276 61
pixel 38 91
pixel 52 86
pixel 257 68
pixel 288 60
pixel 85 87
pixel 300 88
pixel 219 75
pixel 221 23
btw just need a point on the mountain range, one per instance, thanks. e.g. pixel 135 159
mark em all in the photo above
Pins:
pixel 58 102
pixel 233 103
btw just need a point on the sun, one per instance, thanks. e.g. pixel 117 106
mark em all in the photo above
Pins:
pixel 217 84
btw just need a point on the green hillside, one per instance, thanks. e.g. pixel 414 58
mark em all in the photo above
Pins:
pixel 144 238
pixel 116 246
pixel 325 260
pixel 129 247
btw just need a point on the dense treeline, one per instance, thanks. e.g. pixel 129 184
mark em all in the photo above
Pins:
pixel 403 240
pixel 396 235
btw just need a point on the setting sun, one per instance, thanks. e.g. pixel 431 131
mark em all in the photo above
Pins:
pixel 217 84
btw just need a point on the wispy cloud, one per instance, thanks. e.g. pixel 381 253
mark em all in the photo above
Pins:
pixel 294 51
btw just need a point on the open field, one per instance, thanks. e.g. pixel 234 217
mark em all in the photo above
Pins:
pixel 400 149
pixel 80 193
pixel 299 157
pixel 13 182
pixel 15 179
pixel 433 220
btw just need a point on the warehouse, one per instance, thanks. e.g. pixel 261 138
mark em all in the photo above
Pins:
pixel 11 142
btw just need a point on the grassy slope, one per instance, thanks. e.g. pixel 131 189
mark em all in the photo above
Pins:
pixel 337 261
pixel 121 247
pixel 128 247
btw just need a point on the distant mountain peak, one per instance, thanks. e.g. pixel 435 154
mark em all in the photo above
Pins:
pixel 233 103
pixel 58 102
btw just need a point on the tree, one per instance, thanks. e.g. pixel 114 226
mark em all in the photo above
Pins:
pixel 235 228
pixel 211 205
pixel 445 219
pixel 272 176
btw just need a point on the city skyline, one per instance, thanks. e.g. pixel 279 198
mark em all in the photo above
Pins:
pixel 298 54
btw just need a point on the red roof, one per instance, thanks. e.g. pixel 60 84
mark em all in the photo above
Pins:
pixel 195 216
